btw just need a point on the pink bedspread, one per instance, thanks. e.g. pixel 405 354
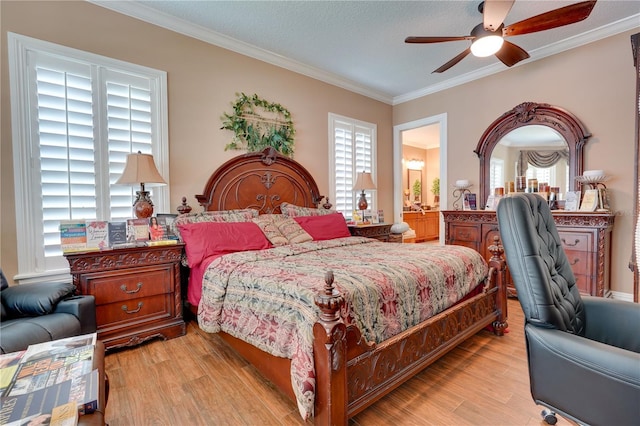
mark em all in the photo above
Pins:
pixel 266 297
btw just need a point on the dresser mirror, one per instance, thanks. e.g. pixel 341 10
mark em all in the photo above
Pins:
pixel 532 135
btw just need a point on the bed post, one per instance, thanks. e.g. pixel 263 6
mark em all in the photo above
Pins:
pixel 330 353
pixel 498 264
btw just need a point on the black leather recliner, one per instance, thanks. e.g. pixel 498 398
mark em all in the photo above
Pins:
pixel 583 352
pixel 36 313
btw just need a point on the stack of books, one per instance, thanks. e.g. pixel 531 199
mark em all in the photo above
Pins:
pixel 89 235
pixel 45 381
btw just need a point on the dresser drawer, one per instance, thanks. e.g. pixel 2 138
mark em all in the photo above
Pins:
pixel 133 312
pixel 576 241
pixel 129 284
pixel 583 284
pixel 465 233
pixel 579 261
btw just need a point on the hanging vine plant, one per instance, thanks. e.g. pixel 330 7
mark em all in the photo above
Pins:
pixel 258 124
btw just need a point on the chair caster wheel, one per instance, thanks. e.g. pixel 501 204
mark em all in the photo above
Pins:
pixel 549 417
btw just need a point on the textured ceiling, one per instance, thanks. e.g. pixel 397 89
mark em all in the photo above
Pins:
pixel 359 45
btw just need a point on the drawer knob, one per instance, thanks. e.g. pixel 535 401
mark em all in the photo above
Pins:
pixel 123 287
pixel 125 309
pixel 569 244
pixel 576 260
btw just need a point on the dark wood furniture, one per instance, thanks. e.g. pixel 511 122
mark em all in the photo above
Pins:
pixel 97 418
pixel 137 292
pixel 379 231
pixel 526 114
pixel 586 238
pixel 351 374
pixel 426 225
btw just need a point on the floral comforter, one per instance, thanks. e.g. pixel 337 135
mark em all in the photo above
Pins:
pixel 266 297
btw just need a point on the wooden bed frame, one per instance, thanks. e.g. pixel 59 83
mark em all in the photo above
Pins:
pixel 351 374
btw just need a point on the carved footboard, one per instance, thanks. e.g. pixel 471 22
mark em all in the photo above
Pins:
pixel 352 374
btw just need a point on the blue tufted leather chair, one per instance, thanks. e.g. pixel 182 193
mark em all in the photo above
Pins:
pixel 583 352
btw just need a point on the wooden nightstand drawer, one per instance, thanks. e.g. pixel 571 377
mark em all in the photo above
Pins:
pixel 129 284
pixel 133 312
pixel 575 241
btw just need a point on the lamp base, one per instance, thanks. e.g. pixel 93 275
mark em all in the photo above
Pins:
pixel 142 206
pixel 362 201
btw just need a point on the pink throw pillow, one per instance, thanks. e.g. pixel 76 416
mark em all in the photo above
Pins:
pixel 205 239
pixel 326 227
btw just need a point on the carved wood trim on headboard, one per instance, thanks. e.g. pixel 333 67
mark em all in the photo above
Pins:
pixel 259 180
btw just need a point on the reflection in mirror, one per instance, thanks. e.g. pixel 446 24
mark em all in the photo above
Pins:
pixel 535 152
pixel 526 116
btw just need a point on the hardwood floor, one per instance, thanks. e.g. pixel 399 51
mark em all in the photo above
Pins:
pixel 198 380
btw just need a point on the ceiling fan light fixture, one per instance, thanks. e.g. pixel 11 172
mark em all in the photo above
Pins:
pixel 486 46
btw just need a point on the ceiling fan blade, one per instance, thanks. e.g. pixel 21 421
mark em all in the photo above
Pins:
pixel 435 39
pixel 454 61
pixel 510 54
pixel 552 19
pixel 494 13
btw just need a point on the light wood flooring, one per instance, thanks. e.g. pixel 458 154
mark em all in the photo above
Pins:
pixel 198 380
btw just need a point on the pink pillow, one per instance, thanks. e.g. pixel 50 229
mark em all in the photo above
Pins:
pixel 205 239
pixel 324 227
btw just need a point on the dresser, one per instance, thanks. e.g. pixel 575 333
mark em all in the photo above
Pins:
pixel 137 292
pixel 426 224
pixel 586 238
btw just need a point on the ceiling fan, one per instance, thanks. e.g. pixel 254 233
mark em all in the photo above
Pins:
pixel 488 38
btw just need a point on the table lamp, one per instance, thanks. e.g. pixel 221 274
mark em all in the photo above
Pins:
pixel 363 182
pixel 141 169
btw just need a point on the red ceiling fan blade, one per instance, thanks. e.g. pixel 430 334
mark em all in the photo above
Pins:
pixel 552 19
pixel 454 61
pixel 435 39
pixel 494 13
pixel 510 54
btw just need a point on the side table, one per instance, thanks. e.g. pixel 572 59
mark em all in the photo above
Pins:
pixel 379 231
pixel 137 292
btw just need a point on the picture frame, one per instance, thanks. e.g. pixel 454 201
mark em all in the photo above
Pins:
pixel 572 199
pixel 166 220
pixel 590 201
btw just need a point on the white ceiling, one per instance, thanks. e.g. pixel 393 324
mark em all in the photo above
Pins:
pixel 359 45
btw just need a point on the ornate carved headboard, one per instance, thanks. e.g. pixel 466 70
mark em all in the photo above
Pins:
pixel 262 181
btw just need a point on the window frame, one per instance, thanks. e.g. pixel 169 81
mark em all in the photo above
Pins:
pixel 372 198
pixel 30 248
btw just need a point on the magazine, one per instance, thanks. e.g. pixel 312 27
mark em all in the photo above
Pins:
pixel 39 404
pixel 8 367
pixel 45 349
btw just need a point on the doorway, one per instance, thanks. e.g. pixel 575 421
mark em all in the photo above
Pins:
pixel 416 142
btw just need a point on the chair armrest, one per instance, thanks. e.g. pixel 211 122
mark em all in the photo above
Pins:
pixel 30 300
pixel 613 322
pixel 83 308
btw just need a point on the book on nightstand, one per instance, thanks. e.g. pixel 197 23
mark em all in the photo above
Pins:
pixel 97 234
pixel 137 230
pixel 73 235
pixel 117 234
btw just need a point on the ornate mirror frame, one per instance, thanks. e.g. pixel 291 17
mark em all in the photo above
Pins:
pixel 526 114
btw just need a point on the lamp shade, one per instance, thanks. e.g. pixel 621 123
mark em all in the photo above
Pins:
pixel 363 182
pixel 140 169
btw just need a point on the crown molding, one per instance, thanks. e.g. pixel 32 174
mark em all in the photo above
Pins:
pixel 152 16
pixel 596 34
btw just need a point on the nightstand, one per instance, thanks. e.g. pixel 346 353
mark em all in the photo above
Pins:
pixel 137 292
pixel 379 231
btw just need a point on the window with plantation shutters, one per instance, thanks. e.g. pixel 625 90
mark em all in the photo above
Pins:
pixel 352 150
pixel 75 117
pixel 496 173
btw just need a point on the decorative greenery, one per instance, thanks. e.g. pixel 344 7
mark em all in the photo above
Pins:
pixel 435 186
pixel 417 188
pixel 254 132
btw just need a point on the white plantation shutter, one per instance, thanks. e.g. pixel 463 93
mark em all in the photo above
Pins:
pixel 352 150
pixel 76 116
pixel 497 174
